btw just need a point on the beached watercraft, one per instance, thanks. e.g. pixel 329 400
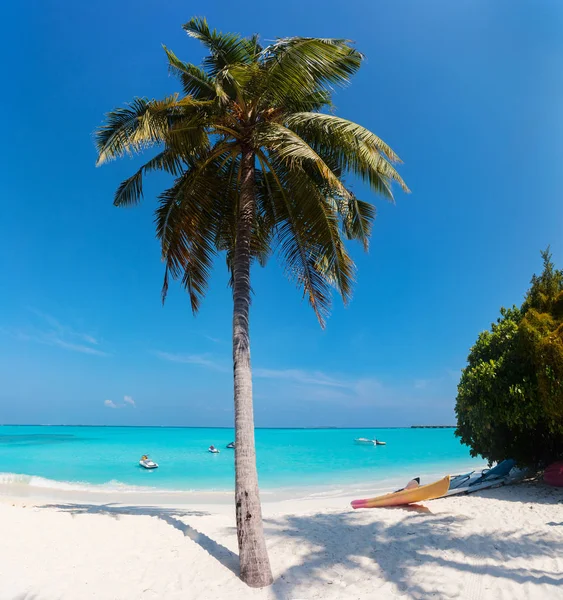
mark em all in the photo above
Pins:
pixel 413 483
pixel 472 482
pixel 231 445
pixel 407 496
pixel 553 475
pixel 147 463
pixel 365 441
pixel 483 485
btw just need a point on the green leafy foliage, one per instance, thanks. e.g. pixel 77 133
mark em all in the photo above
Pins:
pixel 510 396
pixel 275 101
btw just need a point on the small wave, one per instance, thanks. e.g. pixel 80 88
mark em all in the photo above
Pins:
pixel 34 481
pixel 21 482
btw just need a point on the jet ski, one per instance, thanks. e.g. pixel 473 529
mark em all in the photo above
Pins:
pixel 231 445
pixel 147 463
pixel 213 450
pixel 365 441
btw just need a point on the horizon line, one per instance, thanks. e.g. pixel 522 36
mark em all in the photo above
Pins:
pixel 228 427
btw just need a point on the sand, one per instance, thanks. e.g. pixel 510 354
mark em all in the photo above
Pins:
pixel 505 543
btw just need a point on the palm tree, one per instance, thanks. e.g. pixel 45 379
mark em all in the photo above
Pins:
pixel 258 162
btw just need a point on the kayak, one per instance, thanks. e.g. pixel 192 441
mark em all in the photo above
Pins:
pixel 470 482
pixel 407 496
pixel 476 486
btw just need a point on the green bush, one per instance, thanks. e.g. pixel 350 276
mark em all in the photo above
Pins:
pixel 510 396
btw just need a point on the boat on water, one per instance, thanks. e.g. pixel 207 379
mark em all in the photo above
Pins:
pixel 408 495
pixel 368 442
pixel 231 445
pixel 147 463
pixel 365 441
pixel 213 450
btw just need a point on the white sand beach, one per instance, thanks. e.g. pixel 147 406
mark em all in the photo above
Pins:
pixel 505 543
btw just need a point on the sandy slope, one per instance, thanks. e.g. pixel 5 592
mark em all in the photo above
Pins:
pixel 503 544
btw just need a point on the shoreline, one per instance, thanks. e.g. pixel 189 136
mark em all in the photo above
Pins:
pixel 33 486
pixel 498 543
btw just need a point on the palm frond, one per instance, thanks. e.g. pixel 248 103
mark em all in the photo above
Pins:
pixel 195 81
pixel 225 48
pixel 113 139
pixel 292 149
pixel 185 227
pixel 309 244
pixel 141 124
pixel 320 212
pixel 130 191
pixel 357 219
pixel 263 226
pixel 254 48
pixel 294 245
pixel 188 219
pixel 354 147
pixel 300 66
pixel 310 102
pixel 313 123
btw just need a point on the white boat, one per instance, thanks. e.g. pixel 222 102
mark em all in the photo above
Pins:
pixel 365 441
pixel 213 450
pixel 147 463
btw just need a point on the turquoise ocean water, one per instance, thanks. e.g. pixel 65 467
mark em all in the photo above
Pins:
pixel 287 458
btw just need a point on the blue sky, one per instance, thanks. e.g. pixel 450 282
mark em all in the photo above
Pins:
pixel 469 93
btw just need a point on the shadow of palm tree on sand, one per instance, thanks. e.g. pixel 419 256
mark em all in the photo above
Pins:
pixel 171 516
pixel 342 542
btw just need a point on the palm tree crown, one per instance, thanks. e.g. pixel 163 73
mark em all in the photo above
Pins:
pixel 272 102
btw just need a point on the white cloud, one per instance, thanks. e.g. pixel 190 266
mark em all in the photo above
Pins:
pixel 51 332
pixel 129 400
pixel 299 376
pixel 319 386
pixel 110 404
pixel 54 341
pixel 203 360
pixel 296 376
pixel 292 375
pixel 214 339
pixel 420 384
pixel 65 330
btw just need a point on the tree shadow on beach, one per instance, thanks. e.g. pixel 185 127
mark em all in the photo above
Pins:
pixel 533 492
pixel 171 516
pixel 340 543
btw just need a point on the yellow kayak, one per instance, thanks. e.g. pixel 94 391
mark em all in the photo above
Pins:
pixel 407 496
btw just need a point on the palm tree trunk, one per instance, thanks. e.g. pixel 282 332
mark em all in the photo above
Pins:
pixel 254 562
